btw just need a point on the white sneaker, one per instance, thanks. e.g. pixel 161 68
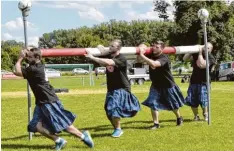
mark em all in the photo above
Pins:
pixel 205 116
pixel 196 118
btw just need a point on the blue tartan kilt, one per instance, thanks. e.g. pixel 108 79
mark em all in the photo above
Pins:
pixel 53 117
pixel 121 103
pixel 164 98
pixel 197 95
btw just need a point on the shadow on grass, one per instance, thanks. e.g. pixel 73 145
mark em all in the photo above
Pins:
pixel 20 137
pixel 29 146
pixel 125 125
pixel 34 147
pixel 131 125
pixel 100 135
pixel 98 128
pixel 21 146
pixel 174 120
pixel 14 138
pixel 145 125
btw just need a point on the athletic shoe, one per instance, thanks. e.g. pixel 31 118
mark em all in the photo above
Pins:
pixel 155 126
pixel 179 121
pixel 205 116
pixel 196 118
pixel 60 144
pixel 117 133
pixel 88 139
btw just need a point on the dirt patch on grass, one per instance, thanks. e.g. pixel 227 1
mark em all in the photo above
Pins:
pixel 71 92
pixel 17 94
pixel 14 94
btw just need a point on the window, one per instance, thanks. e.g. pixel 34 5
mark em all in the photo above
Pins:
pixel 225 66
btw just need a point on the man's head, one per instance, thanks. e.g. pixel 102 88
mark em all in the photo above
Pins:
pixel 142 45
pixel 33 55
pixel 209 47
pixel 115 46
pixel 157 47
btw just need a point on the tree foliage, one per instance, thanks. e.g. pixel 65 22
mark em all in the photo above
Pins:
pixel 161 8
pixel 131 33
pixel 220 26
pixel 9 53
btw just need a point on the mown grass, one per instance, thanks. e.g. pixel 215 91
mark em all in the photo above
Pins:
pixel 192 136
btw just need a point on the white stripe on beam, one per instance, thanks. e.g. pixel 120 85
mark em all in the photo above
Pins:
pixel 187 49
pixel 128 50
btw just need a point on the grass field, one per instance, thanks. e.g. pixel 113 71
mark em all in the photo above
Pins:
pixel 87 103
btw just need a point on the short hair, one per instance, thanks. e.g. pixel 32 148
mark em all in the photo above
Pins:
pixel 119 42
pixel 36 52
pixel 210 45
pixel 142 45
pixel 159 42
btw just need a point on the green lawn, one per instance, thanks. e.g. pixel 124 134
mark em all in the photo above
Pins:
pixel 88 105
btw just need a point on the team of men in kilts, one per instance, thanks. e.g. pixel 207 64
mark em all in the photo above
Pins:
pixel 50 117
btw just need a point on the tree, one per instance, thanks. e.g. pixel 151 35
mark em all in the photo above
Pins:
pixel 188 29
pixel 131 34
pixel 161 7
pixel 10 50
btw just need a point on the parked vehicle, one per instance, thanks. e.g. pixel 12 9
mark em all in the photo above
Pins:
pixel 79 71
pixel 138 75
pixel 139 78
pixel 100 70
pixel 5 72
pixel 8 75
pixel 226 71
pixel 52 73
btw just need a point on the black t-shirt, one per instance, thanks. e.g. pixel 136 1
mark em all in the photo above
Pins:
pixel 199 75
pixel 117 75
pixel 42 90
pixel 161 77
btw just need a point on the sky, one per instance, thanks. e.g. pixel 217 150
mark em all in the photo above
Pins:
pixel 46 16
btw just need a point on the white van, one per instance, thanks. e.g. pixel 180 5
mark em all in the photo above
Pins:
pixel 226 71
pixel 100 70
pixel 52 73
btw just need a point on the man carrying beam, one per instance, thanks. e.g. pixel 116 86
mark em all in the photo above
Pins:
pixel 164 93
pixel 49 116
pixel 197 91
pixel 120 102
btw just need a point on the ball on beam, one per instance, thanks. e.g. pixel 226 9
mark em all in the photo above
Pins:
pixel 203 14
pixel 24 4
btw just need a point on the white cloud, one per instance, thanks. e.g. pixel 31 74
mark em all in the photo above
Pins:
pixel 92 9
pixel 170 2
pixel 92 14
pixel 62 3
pixel 129 4
pixel 149 15
pixel 125 5
pixel 18 24
pixel 6 36
pixel 32 40
pixel 98 4
pixel 85 10
pixel 170 13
